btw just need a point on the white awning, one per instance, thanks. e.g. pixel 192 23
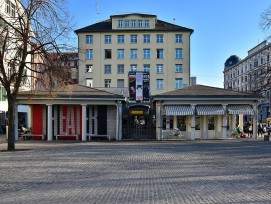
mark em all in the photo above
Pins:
pixel 179 110
pixel 210 110
pixel 240 109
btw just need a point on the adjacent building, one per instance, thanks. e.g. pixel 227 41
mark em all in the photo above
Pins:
pixel 9 10
pixel 251 75
pixel 110 49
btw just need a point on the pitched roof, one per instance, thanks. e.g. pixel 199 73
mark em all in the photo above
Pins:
pixel 70 91
pixel 201 91
pixel 106 26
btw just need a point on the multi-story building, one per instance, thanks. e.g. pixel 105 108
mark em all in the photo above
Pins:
pixel 110 49
pixel 9 12
pixel 251 75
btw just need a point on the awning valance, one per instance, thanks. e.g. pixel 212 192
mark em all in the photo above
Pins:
pixel 210 110
pixel 240 109
pixel 179 110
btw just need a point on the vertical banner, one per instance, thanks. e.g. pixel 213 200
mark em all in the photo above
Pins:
pixel 146 86
pixel 139 86
pixel 132 85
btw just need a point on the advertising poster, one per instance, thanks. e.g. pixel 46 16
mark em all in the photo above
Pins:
pixel 132 85
pixel 139 86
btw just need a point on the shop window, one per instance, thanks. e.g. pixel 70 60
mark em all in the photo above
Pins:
pixel 197 127
pixel 181 123
pixel 211 123
pixel 167 122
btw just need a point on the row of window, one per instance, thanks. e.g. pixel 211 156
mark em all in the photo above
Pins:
pixel 134 53
pixel 10 8
pixel 134 23
pixel 120 83
pixel 134 38
pixel 133 67
pixel 247 67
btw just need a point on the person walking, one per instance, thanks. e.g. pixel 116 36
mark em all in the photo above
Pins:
pixel 250 130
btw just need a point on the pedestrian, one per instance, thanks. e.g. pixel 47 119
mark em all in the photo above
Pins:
pixel 260 129
pixel 250 130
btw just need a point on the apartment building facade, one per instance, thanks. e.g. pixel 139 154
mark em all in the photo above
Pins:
pixel 251 74
pixel 9 11
pixel 110 49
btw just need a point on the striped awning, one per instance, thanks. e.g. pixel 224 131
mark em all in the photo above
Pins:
pixel 240 109
pixel 210 110
pixel 179 110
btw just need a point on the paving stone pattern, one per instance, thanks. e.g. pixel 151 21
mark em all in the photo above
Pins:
pixel 204 171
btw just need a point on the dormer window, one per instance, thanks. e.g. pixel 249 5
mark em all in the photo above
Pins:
pixel 120 23
pixel 133 23
pixel 140 23
pixel 127 23
pixel 147 23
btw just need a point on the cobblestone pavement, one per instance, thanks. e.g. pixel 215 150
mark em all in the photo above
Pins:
pixel 201 171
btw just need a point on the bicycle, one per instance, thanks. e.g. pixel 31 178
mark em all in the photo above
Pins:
pixel 232 134
pixel 175 134
pixel 24 133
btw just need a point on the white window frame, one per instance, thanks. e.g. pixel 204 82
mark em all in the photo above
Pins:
pixel 147 38
pixel 133 67
pixel 107 83
pixel 160 84
pixel 89 39
pixel 179 38
pixel 178 83
pixel 160 38
pixel 89 68
pixel 179 53
pixel 107 68
pixel 146 67
pixel 133 38
pixel 120 23
pixel 178 68
pixel 120 68
pixel 120 53
pixel 159 68
pixel 120 39
pixel 133 54
pixel 107 39
pixel 146 53
pixel 160 53
pixel 147 23
pixel 89 54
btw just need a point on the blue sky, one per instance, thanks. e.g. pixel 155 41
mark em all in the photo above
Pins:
pixel 221 27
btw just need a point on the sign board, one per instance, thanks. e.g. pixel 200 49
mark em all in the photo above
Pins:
pixel 139 86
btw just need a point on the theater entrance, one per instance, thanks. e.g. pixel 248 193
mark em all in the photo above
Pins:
pixel 139 123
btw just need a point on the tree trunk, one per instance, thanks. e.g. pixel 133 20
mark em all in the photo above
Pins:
pixel 11 123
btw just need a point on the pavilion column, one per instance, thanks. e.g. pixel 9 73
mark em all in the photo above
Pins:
pixel 233 117
pixel 224 123
pixel 84 122
pixel 50 122
pixel 119 122
pixel 255 119
pixel 193 124
pixel 159 121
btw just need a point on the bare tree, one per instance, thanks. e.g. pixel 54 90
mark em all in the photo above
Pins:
pixel 32 30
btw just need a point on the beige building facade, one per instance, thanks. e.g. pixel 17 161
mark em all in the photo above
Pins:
pixel 251 74
pixel 108 50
